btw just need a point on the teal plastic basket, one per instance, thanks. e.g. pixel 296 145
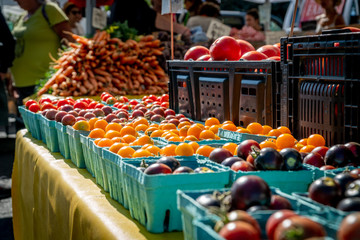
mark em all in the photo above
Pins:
pixel 204 229
pixel 240 137
pixel 111 162
pixel 75 146
pixel 50 134
pixel 152 198
pixel 334 215
pixel 286 181
pixel 85 146
pixel 63 140
pixel 42 127
pixel 327 173
pixel 31 122
pixel 192 210
pixel 97 164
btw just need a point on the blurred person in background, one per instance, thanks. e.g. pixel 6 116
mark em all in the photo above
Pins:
pixel 74 13
pixel 330 18
pixel 7 55
pixel 208 12
pixel 252 30
pixel 143 18
pixel 38 33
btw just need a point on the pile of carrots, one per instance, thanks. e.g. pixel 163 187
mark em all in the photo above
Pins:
pixel 108 64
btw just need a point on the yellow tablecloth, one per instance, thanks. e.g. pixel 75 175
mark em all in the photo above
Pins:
pixel 52 199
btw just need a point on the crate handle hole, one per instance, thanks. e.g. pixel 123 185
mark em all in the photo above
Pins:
pixel 214 104
pixel 242 109
pixel 253 110
pixel 219 96
pixel 213 95
pixel 208 103
pixel 244 91
pixel 247 109
pixel 252 91
pixel 167 220
pixel 212 86
pixel 219 104
pixel 202 102
pixel 241 123
pixel 202 94
pixel 219 87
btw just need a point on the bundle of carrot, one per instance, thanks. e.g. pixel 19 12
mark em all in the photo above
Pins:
pixel 107 64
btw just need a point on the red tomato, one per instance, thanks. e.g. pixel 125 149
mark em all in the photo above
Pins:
pixel 106 96
pixel 254 56
pixel 305 227
pixel 349 228
pixel 133 102
pixel 269 50
pixel 239 230
pixel 41 101
pixel 126 107
pixel 92 105
pixel 110 100
pixel 81 105
pixel 34 107
pixel 353 29
pixel 164 98
pixel 276 58
pixel 62 102
pixel 47 105
pixel 144 98
pixel 245 46
pixel 205 57
pixel 225 48
pixel 123 99
pixel 147 101
pixel 99 105
pixel 195 52
pixel 70 100
pixel 102 94
pixel 29 102
pixel 152 97
pixel 165 104
pixel 275 219
pixel 87 100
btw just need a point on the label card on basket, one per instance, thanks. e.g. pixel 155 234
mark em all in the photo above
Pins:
pixel 217 29
pixel 176 5
pixel 98 18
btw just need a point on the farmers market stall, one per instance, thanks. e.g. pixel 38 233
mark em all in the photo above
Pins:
pixel 54 199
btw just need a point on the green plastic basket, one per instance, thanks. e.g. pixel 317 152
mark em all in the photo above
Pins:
pixel 286 181
pixel 85 146
pixel 63 140
pixel 50 134
pixel 192 210
pixel 152 198
pixel 31 122
pixel 240 137
pixel 75 146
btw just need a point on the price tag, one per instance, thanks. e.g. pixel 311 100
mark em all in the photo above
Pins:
pixel 98 18
pixel 217 29
pixel 176 5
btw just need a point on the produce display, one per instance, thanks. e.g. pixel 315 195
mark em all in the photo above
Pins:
pixel 108 64
pixel 140 150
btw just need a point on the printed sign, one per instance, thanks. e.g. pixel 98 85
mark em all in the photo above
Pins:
pixel 98 18
pixel 311 9
pixel 217 29
pixel 176 5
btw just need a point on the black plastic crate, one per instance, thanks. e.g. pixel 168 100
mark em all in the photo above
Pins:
pixel 240 91
pixel 321 86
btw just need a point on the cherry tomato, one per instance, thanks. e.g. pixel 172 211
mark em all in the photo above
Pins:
pixel 92 105
pixel 245 46
pixel 165 104
pixel 164 98
pixel 41 101
pixel 34 107
pixel 99 105
pixel 62 102
pixel 133 102
pixel 29 102
pixel 123 99
pixel 81 105
pixel 47 105
pixel 106 96
pixel 269 50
